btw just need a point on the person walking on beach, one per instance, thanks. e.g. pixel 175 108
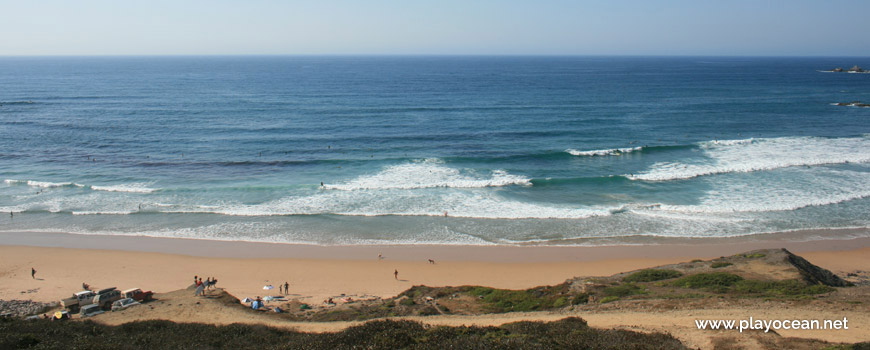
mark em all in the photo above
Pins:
pixel 32 273
pixel 286 288
pixel 396 274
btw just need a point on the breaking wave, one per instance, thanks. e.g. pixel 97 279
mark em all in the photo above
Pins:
pixel 430 173
pixel 749 155
pixel 603 152
pixel 130 188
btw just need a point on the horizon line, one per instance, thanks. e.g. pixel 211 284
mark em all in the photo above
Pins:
pixel 423 55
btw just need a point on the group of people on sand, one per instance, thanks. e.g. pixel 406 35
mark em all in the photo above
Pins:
pixel 202 286
pixel 286 288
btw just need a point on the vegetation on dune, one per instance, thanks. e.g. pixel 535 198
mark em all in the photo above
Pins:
pixel 722 282
pixel 569 333
pixel 540 298
pixel 720 264
pixel 856 346
pixel 651 275
pixel 623 290
pixel 780 288
pixel 713 281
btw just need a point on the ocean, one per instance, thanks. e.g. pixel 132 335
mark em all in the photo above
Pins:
pixel 433 149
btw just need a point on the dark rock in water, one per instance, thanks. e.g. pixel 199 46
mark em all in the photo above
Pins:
pixel 856 69
pixel 838 69
pixel 853 104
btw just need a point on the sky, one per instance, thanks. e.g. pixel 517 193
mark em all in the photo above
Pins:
pixel 437 27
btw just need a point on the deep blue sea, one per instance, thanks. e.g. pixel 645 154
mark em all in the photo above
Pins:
pixel 432 150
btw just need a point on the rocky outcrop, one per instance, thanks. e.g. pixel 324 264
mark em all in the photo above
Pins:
pixel 14 308
pixel 814 274
pixel 853 104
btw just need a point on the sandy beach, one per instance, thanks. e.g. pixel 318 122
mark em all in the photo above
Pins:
pixel 64 261
pixel 317 272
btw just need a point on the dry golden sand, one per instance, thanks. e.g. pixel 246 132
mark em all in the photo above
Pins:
pixel 60 272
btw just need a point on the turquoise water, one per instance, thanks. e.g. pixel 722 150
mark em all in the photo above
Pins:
pixel 514 150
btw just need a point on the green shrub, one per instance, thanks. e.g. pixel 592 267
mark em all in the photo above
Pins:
pixel 754 256
pixel 609 299
pixel 780 288
pixel 428 311
pixel 650 275
pixel 569 333
pixel 581 298
pixel 504 300
pixel 407 302
pixel 714 281
pixel 717 265
pixel 623 290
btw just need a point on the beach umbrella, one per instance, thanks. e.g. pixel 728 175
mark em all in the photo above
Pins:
pixel 268 287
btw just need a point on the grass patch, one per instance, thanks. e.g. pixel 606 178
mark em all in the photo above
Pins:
pixel 722 282
pixel 504 300
pixel 569 333
pixel 780 288
pixel 714 281
pixel 609 299
pixel 581 298
pixel 720 264
pixel 650 275
pixel 623 290
pixel 753 256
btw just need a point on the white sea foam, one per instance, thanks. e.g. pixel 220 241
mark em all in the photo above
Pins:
pixel 131 188
pixel 603 152
pixel 797 188
pixel 456 203
pixel 109 212
pixel 750 155
pixel 430 173
pixel 41 184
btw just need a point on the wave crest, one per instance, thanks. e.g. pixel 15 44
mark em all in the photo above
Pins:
pixel 749 155
pixel 130 188
pixel 428 174
pixel 603 152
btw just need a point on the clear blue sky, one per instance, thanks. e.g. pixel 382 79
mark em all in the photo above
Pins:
pixel 544 27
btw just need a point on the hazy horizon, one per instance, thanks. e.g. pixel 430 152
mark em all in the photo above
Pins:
pixel 452 28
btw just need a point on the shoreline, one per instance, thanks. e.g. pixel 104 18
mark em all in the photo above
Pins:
pixel 316 273
pixel 64 261
pixel 797 241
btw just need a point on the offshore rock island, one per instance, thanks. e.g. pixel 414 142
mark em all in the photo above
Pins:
pixel 854 69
